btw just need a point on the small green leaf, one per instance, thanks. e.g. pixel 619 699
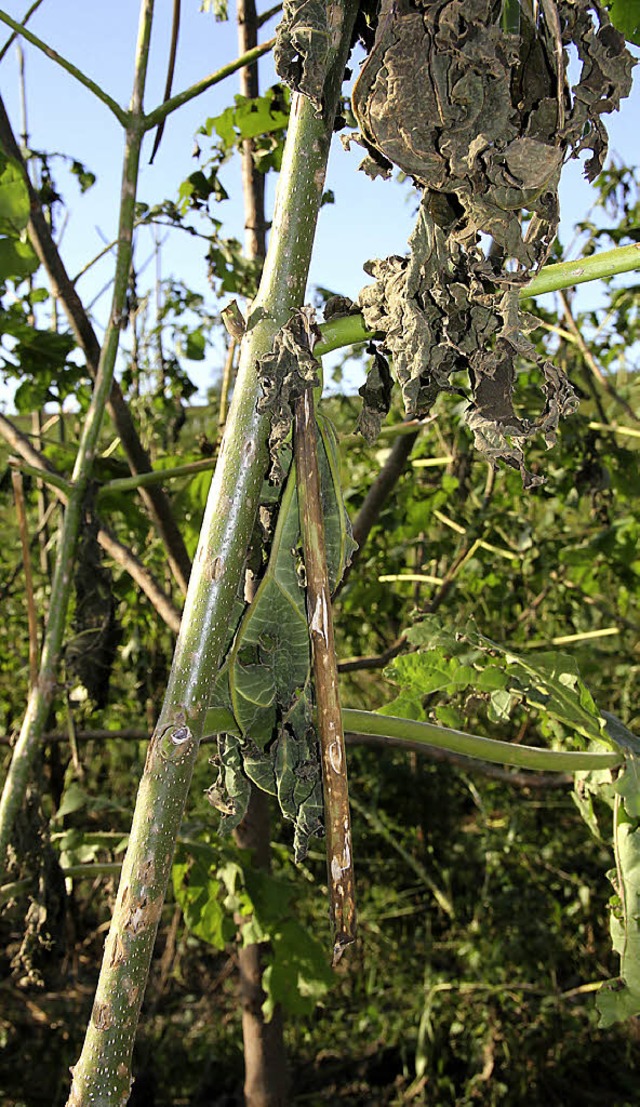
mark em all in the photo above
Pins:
pixel 625 15
pixel 73 799
pixel 14 197
pixel 195 345
pixel 198 891
pixel 299 974
pixel 17 259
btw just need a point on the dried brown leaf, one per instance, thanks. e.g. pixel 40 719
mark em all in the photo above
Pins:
pixel 302 50
pixel 284 374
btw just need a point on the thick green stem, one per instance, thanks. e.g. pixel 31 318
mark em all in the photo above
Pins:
pixel 349 329
pixel 41 695
pixel 158 476
pixel 103 1074
pixel 54 479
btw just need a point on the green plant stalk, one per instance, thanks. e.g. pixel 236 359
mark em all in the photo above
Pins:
pixel 20 29
pixel 444 738
pixel 472 745
pixel 159 114
pixel 46 475
pixel 102 1075
pixel 29 741
pixel 144 480
pixel 349 329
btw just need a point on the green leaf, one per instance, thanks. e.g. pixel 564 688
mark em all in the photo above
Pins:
pixel 619 999
pixel 194 347
pixel 298 975
pixel 625 15
pixel 549 682
pixel 17 259
pixel 219 9
pixel 198 891
pixel 251 118
pixel 14 198
pixel 73 799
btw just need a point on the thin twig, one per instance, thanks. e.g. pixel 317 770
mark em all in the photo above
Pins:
pixel 64 291
pixel 590 360
pixel 171 68
pixel 25 19
pixel 32 618
pixel 330 731
pixel 155 117
pixel 269 14
pixel 375 661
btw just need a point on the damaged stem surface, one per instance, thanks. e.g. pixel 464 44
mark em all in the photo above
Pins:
pixel 325 670
pixel 103 1074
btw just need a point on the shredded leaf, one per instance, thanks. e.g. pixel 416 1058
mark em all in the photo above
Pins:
pixel 284 375
pixel 376 396
pixel 482 119
pixel 302 51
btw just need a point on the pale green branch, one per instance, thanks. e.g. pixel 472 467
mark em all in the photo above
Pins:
pixel 158 476
pixel 46 475
pixel 121 115
pixel 443 738
pixel 159 114
pixel 472 745
pixel 350 329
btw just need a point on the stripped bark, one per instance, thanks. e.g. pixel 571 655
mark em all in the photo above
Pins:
pixel 337 818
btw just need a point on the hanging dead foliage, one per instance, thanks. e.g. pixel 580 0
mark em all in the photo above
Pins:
pixel 284 374
pixel 482 119
pixel 90 653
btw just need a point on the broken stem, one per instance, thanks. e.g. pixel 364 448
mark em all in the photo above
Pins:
pixel 337 819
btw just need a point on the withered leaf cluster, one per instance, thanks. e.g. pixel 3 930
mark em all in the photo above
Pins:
pixel 284 374
pixel 301 53
pixel 482 119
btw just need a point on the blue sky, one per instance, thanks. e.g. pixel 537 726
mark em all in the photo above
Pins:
pixel 369 218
